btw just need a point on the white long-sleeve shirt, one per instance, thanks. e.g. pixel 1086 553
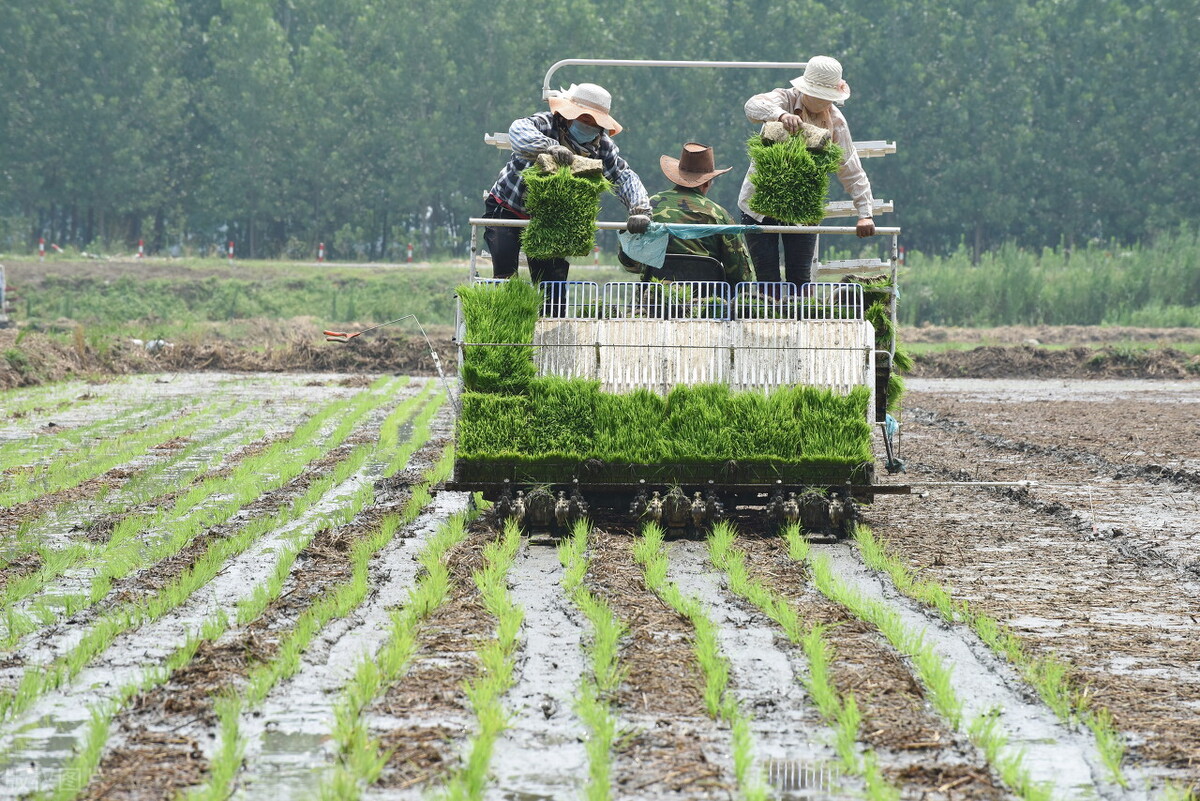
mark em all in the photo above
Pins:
pixel 772 105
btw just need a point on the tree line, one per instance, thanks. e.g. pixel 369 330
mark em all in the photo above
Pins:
pixel 283 123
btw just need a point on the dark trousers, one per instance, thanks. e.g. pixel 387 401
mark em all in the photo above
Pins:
pixel 764 252
pixel 505 243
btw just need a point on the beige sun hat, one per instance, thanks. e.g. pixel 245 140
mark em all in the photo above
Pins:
pixel 823 78
pixel 694 166
pixel 586 98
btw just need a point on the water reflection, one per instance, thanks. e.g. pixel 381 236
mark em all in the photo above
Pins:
pixel 799 780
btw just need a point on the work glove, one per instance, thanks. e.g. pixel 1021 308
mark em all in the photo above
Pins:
pixel 638 223
pixel 561 154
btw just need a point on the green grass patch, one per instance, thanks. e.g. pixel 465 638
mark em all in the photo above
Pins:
pixel 1151 285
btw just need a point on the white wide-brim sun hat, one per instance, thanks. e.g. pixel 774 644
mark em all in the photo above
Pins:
pixel 822 78
pixel 586 98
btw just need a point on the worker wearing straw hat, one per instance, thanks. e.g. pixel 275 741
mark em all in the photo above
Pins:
pixel 687 202
pixel 579 123
pixel 813 99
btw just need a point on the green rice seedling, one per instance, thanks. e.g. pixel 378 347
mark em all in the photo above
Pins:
pixel 504 315
pixel 1109 743
pixel 228 758
pixel 1174 791
pixel 78 771
pixel 1049 676
pixel 698 422
pixel 492 425
pixel 86 759
pixel 194 512
pixel 337 603
pixel 71 469
pixel 360 758
pixel 606 673
pixel 720 703
pixel 562 213
pixel 934 674
pixel 565 411
pixel 840 712
pixel 43 678
pixel 790 181
pixel 496 665
pixel 630 428
pixel 61 439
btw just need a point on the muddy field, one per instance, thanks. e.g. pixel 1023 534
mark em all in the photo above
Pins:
pixel 252 586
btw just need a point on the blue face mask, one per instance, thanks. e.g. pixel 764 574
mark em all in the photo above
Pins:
pixel 583 133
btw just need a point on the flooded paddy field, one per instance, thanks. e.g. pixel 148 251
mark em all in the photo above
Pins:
pixel 254 586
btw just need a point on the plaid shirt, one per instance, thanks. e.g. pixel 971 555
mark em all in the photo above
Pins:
pixel 533 135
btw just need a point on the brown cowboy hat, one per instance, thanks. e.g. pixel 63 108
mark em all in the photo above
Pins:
pixel 693 167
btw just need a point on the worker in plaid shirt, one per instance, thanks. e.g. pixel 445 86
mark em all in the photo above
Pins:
pixel 578 123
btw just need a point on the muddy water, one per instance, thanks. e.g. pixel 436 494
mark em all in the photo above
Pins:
pixel 542 754
pixel 288 740
pixel 46 735
pixel 1054 754
pixel 1098 564
pixel 792 745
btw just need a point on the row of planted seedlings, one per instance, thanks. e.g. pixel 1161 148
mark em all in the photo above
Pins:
pixel 720 701
pixel 52 397
pixel 452 587
pixel 1049 676
pixel 652 659
pixel 182 549
pixel 117 547
pixel 122 443
pixel 597 686
pixel 49 440
pixel 38 551
pixel 515 423
pixel 841 710
pixel 289 609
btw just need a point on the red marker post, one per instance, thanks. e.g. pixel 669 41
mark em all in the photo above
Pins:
pixel 141 248
pixel 231 250
pixel 41 248
pixel 320 252
pixel 596 255
pixel 901 254
pixel 410 252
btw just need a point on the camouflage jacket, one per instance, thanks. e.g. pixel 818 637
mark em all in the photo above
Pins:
pixel 680 205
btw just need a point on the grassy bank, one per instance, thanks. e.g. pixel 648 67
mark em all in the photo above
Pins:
pixel 1149 286
pixel 1152 286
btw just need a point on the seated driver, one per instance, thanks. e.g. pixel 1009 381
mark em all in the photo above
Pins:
pixel 686 202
